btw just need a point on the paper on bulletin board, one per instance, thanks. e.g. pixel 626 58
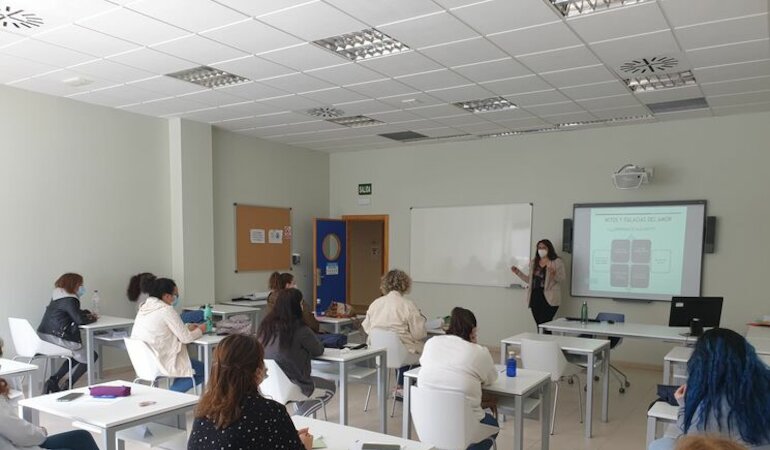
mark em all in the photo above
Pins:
pixel 287 232
pixel 332 269
pixel 275 237
pixel 257 236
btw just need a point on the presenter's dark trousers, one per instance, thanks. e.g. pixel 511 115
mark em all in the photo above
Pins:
pixel 541 311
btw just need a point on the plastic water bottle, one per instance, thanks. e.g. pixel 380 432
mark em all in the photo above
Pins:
pixel 510 364
pixel 207 316
pixel 96 302
pixel 318 307
pixel 584 312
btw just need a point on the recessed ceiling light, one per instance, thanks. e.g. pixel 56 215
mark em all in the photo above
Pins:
pixel 363 44
pixel 18 18
pixel 572 8
pixel 326 112
pixel 650 65
pixel 355 121
pixel 687 104
pixel 208 77
pixel 486 105
pixel 656 82
pixel 569 126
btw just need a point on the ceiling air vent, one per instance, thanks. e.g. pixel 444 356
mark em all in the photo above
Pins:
pixel 678 105
pixel 18 18
pixel 404 136
pixel 572 8
pixel 326 112
pixel 208 77
pixel 653 64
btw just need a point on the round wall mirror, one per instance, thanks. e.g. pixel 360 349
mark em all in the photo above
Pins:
pixel 331 247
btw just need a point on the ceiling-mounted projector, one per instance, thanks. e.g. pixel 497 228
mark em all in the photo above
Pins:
pixel 631 176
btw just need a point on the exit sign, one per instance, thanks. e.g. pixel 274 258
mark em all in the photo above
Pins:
pixel 365 189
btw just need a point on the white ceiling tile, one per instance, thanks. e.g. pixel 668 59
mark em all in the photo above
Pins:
pixel 578 76
pixel 291 103
pixel 99 98
pixel 87 41
pixel 282 118
pixel 505 115
pixel 438 79
pixel 395 116
pixel 313 21
pixel 253 68
pixel 538 98
pixel 569 118
pixel 595 90
pixel 152 61
pixel 470 51
pixel 555 108
pixel 536 39
pixel 429 30
pixel 411 100
pixel 723 32
pixel 305 127
pixel 560 59
pixel 334 96
pixel 253 91
pixel 682 12
pixel 742 109
pixel 401 64
pixel 167 86
pixel 737 86
pixel 728 54
pixel 684 115
pixel 297 83
pixel 212 97
pixel 245 109
pixel 258 8
pixel 192 15
pixel 531 123
pixel 344 74
pixel 55 14
pixel 52 85
pixel 464 93
pixel 46 53
pixel 132 26
pixel 503 15
pixel 207 115
pixel 60 76
pixel 9 38
pixel 170 106
pixel 667 95
pixel 732 71
pixel 304 57
pixel 617 51
pixel 130 94
pixel 445 110
pixel 199 49
pixel 483 128
pixel 382 88
pixel 252 36
pixel 364 107
pixel 462 119
pixel 717 101
pixel 14 68
pixel 613 101
pixel 617 113
pixel 377 13
pixel 437 132
pixel 517 85
pixel 619 22
pixel 492 70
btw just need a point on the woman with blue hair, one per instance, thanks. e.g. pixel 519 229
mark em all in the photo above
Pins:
pixel 727 393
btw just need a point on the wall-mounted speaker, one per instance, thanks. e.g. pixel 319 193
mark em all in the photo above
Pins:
pixel 710 235
pixel 566 235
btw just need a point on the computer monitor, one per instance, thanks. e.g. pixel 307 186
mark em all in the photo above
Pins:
pixel 684 309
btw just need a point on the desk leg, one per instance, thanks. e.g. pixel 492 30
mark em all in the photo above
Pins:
pixel 589 395
pixel 382 390
pixel 206 366
pixel 90 356
pixel 545 415
pixel 606 386
pixel 518 429
pixel 108 439
pixel 666 371
pixel 32 382
pixel 343 393
pixel 503 352
pixel 406 426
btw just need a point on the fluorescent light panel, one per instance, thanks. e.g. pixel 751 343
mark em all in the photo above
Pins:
pixel 364 44
pixel 570 126
pixel 572 8
pixel 486 105
pixel 660 81
pixel 355 121
pixel 208 77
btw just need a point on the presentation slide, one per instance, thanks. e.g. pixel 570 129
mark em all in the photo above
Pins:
pixel 638 251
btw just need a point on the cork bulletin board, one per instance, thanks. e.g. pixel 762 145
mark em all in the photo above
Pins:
pixel 262 238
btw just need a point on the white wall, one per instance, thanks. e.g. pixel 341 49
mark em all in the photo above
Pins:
pixel 723 160
pixel 253 171
pixel 84 189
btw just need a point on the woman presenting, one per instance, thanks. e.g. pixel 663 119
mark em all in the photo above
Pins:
pixel 546 275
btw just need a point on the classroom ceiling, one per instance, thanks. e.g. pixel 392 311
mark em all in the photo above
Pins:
pixel 559 72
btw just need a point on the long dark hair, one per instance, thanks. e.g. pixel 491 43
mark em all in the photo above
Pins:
pixel 279 281
pixel 233 376
pixel 461 323
pixel 141 282
pixel 283 320
pixel 551 252
pixel 724 369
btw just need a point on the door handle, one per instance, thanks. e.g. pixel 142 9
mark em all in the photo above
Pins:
pixel 318 276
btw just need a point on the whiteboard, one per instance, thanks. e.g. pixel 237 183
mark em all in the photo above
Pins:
pixel 475 245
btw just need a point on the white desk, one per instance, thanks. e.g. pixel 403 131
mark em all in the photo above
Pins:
pixel 104 323
pixel 336 322
pixel 677 356
pixel 206 344
pixel 226 310
pixel 525 384
pixel 623 329
pixel 340 437
pixel 110 416
pixel 247 303
pixel 590 349
pixel 347 358
pixel 761 345
pixel 12 369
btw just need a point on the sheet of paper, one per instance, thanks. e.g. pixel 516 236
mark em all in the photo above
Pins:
pixel 257 236
pixel 275 237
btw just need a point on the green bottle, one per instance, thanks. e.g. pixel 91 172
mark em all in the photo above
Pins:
pixel 584 312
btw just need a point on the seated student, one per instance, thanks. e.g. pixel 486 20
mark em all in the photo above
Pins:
pixel 707 443
pixel 139 288
pixel 232 414
pixel 18 434
pixel 292 345
pixel 727 392
pixel 60 326
pixel 455 362
pixel 397 313
pixel 280 281
pixel 161 328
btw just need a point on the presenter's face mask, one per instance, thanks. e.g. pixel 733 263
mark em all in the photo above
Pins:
pixel 81 291
pixel 542 252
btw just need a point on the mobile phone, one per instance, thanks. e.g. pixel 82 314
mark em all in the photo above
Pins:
pixel 69 397
pixel 370 446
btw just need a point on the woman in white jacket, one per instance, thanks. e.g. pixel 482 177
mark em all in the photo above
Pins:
pixel 161 328
pixel 18 434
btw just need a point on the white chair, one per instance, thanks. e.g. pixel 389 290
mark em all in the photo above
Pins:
pixel 546 356
pixel 146 363
pixel 398 355
pixel 29 346
pixel 279 387
pixel 445 420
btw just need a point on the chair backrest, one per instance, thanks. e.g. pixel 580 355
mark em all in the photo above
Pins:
pixel 278 386
pixel 545 356
pixel 145 362
pixel 398 355
pixel 615 317
pixel 25 339
pixel 442 419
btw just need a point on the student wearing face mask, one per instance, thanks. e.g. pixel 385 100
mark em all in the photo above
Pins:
pixel 60 326
pixel 161 328
pixel 543 293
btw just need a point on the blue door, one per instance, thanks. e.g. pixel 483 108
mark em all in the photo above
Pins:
pixel 330 262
